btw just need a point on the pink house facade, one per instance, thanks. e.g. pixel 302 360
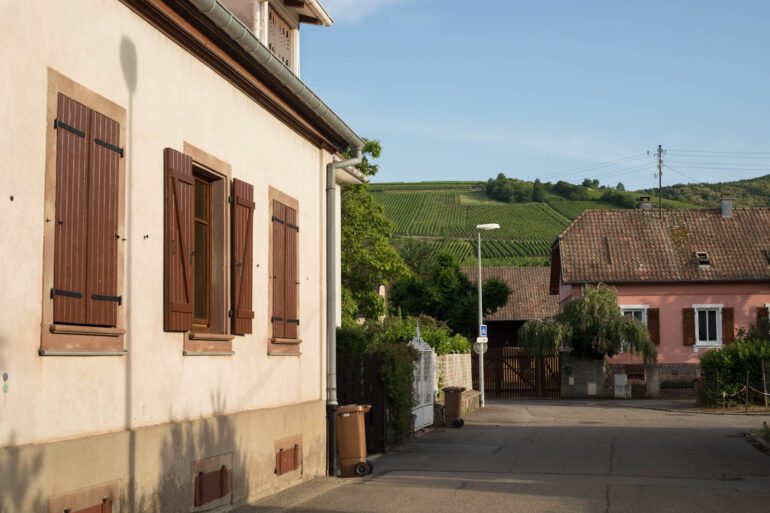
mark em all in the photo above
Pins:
pixel 694 277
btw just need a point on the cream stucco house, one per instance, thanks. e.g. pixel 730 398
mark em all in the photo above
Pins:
pixel 169 272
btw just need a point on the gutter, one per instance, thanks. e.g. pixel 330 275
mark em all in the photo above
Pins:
pixel 245 38
pixel 331 301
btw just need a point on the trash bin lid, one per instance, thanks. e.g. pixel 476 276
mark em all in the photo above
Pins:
pixel 453 389
pixel 351 408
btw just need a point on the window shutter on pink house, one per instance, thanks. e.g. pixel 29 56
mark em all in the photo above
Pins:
pixel 178 233
pixel 728 325
pixel 653 324
pixel 688 326
pixel 242 257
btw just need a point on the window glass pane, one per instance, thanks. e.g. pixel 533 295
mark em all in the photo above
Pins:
pixel 712 322
pixel 201 200
pixel 201 270
pixel 638 315
pixel 702 332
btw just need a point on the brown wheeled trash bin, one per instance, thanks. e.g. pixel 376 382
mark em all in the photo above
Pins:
pixel 453 397
pixel 351 440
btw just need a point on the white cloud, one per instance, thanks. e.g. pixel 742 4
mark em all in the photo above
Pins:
pixel 353 11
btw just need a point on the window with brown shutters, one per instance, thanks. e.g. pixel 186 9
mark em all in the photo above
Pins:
pixel 653 324
pixel 242 223
pixel 83 238
pixel 86 230
pixel 763 313
pixel 284 267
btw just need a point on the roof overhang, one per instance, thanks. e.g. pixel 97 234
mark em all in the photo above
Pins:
pixel 350 176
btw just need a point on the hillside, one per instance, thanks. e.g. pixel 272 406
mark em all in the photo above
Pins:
pixel 754 192
pixel 442 216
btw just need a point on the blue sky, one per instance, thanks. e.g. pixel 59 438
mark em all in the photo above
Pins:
pixel 464 90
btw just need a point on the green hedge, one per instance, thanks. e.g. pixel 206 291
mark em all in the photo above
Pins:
pixel 725 370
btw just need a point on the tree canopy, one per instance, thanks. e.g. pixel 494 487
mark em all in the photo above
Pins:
pixel 368 258
pixel 590 326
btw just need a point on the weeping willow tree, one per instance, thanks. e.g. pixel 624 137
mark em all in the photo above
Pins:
pixel 590 326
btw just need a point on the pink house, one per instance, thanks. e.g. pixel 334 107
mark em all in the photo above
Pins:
pixel 694 277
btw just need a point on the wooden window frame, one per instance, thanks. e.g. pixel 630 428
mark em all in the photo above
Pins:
pixel 79 340
pixel 719 342
pixel 281 347
pixel 203 324
pixel 210 341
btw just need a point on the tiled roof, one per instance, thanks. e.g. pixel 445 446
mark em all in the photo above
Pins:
pixel 624 246
pixel 529 298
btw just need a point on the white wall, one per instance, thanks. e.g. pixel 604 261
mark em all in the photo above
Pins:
pixel 177 99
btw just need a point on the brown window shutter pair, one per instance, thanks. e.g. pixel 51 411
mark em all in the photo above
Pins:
pixel 178 246
pixel 86 232
pixel 653 324
pixel 242 242
pixel 285 319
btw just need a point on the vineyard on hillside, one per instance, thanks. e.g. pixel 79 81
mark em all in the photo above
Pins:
pixel 443 216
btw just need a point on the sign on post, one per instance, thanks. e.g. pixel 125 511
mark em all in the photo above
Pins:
pixel 483 330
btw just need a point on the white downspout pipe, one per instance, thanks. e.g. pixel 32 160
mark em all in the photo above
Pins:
pixel 331 304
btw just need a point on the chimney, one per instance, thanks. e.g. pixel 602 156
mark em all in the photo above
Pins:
pixel 726 204
pixel 645 203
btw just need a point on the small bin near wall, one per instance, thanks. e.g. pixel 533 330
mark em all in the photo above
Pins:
pixel 453 398
pixel 351 440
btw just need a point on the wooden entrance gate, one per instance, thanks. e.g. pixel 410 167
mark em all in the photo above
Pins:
pixel 359 382
pixel 508 373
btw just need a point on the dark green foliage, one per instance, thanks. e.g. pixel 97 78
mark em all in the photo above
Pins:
pixel 725 370
pixel 754 192
pixel 397 373
pixel 590 183
pixel 620 187
pixel 442 291
pixel 509 190
pixel 620 199
pixel 368 258
pixel 570 191
pixel 592 326
pixel 538 191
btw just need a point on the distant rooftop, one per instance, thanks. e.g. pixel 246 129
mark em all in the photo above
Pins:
pixel 529 298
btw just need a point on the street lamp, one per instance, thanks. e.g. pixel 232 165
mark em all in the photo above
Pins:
pixel 482 345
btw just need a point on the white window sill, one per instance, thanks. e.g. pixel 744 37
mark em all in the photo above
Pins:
pixel 706 345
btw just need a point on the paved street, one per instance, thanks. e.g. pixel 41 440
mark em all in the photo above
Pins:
pixel 559 457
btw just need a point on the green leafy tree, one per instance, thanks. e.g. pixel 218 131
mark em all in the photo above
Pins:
pixel 443 292
pixel 368 258
pixel 538 191
pixel 620 187
pixel 591 326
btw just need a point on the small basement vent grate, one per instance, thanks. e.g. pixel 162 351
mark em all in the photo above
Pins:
pixel 703 258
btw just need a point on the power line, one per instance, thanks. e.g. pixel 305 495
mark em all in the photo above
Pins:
pixel 679 172
pixel 591 167
pixel 724 152
pixel 722 164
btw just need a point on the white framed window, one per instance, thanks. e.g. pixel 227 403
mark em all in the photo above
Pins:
pixel 638 312
pixel 708 325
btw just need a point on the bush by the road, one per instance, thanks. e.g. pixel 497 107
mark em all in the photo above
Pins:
pixel 725 370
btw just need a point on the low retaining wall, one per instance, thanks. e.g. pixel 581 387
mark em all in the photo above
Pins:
pixel 454 370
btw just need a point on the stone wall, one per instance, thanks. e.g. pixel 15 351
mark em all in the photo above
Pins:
pixel 454 370
pixel 583 377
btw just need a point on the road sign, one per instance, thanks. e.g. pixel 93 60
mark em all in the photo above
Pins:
pixel 483 330
pixel 479 348
pixel 482 340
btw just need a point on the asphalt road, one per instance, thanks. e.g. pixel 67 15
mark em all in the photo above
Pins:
pixel 558 457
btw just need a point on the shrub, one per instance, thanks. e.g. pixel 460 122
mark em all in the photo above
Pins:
pixel 725 370
pixel 397 374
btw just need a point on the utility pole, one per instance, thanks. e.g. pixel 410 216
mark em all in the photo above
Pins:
pixel 660 178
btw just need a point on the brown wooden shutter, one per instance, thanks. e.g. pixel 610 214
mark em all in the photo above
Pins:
pixel 762 314
pixel 211 485
pixel 292 283
pixel 102 283
pixel 688 326
pixel 653 324
pixel 728 325
pixel 242 258
pixel 71 222
pixel 178 229
pixel 278 317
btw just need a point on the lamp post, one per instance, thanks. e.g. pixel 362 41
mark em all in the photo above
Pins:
pixel 482 345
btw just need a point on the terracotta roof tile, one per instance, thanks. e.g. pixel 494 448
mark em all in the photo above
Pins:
pixel 623 246
pixel 529 298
